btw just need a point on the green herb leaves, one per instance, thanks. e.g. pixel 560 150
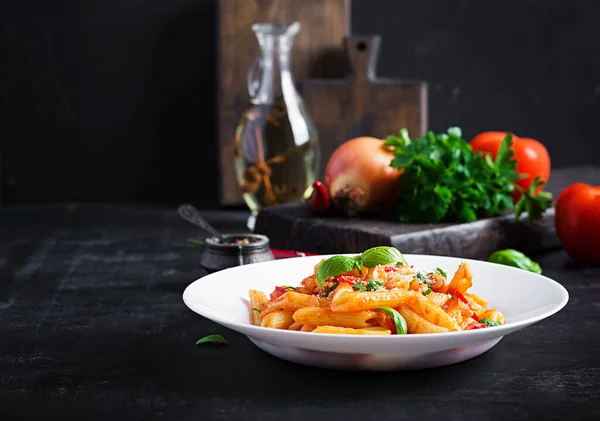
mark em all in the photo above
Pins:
pixel 370 258
pixel 374 285
pixel 445 180
pixel 331 288
pixel 212 339
pixel 334 266
pixel 399 322
pixel 441 272
pixel 489 323
pixel 381 255
pixel 535 204
pixel 359 287
pixel 511 257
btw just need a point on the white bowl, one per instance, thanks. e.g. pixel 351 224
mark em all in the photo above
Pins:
pixel 523 297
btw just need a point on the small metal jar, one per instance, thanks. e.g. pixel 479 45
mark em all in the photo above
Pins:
pixel 240 249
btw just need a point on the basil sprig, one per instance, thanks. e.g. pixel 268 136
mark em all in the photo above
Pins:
pixel 370 258
pixel 401 328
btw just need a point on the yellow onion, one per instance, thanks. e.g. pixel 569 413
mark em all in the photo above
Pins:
pixel 359 177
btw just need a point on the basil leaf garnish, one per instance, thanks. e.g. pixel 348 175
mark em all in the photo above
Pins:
pixel 212 339
pixel 401 328
pixel 381 255
pixel 334 266
pixel 370 258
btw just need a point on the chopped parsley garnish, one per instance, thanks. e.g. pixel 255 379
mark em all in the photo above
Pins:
pixel 452 297
pixel 441 272
pixel 399 263
pixel 288 288
pixel 489 323
pixel 427 292
pixel 359 287
pixel 255 309
pixel 374 285
pixel 422 279
pixel 331 288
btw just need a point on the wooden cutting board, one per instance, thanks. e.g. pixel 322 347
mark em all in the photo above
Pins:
pixel 296 227
pixel 317 53
pixel 362 104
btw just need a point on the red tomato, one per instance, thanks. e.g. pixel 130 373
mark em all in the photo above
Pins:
pixel 577 222
pixel 532 157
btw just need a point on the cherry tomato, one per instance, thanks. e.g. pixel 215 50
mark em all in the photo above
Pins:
pixel 532 157
pixel 577 222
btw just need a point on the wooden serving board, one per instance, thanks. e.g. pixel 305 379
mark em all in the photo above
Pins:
pixel 317 53
pixel 363 104
pixel 296 227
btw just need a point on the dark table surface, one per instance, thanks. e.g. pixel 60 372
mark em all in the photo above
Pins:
pixel 92 326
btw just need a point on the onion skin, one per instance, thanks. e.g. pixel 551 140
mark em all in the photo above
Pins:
pixel 359 177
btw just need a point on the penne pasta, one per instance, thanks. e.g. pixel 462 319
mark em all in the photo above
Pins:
pixel 439 298
pixel 351 331
pixel 382 299
pixel 417 324
pixel 357 301
pixel 307 328
pixel 462 280
pixel 482 302
pixel 475 306
pixel 292 301
pixel 317 316
pixel 494 316
pixel 278 320
pixel 258 303
pixel 431 312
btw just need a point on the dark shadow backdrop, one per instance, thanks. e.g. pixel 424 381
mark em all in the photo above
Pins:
pixel 114 100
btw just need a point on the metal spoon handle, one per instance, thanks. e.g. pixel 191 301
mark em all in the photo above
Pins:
pixel 191 214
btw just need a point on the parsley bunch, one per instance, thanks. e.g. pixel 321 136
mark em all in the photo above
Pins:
pixel 445 180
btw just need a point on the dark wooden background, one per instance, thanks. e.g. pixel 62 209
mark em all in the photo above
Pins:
pixel 113 100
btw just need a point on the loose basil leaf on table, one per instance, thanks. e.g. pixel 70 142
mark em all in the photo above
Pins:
pixel 212 339
pixel 401 328
pixel 381 255
pixel 334 266
pixel 511 257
